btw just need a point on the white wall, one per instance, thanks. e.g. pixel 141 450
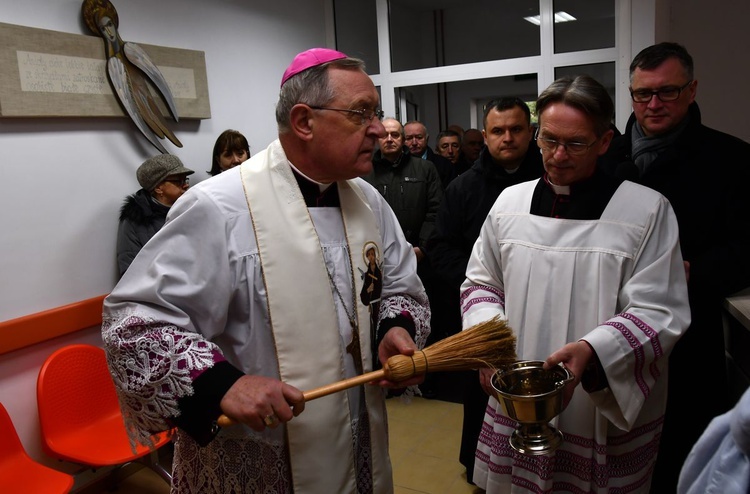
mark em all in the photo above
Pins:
pixel 717 38
pixel 64 179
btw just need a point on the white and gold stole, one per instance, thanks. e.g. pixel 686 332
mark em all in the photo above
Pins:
pixel 305 326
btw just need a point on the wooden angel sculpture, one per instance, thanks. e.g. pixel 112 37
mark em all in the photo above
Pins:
pixel 130 70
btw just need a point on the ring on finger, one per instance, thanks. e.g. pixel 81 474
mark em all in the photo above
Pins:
pixel 269 419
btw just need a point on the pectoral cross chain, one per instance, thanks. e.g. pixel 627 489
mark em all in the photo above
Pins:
pixel 353 348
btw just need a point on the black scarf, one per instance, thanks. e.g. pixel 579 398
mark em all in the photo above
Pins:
pixel 647 148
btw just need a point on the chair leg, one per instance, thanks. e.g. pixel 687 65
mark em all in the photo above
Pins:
pixel 152 462
pixel 113 479
pixel 165 474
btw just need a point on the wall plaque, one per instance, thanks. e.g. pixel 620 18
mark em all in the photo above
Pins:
pixel 46 73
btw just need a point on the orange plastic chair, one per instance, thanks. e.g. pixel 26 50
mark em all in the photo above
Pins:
pixel 18 472
pixel 80 416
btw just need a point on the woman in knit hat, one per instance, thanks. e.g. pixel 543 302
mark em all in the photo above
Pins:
pixel 163 179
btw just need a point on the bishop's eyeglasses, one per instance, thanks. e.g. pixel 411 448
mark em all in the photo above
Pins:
pixel 366 114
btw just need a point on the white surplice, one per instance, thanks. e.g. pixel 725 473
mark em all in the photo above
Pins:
pixel 198 287
pixel 617 282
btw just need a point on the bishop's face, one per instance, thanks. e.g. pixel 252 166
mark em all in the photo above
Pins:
pixel 343 142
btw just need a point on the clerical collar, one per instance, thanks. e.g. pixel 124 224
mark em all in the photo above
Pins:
pixel 321 185
pixel 316 194
pixel 561 190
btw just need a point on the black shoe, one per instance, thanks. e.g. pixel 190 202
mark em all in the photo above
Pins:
pixel 428 393
pixel 394 392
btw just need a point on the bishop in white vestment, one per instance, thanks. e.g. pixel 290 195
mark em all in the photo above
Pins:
pixel 250 295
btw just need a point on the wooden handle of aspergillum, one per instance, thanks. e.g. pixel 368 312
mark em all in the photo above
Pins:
pixel 326 390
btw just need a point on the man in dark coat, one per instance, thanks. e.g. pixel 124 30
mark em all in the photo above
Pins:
pixel 472 143
pixel 410 185
pixel 509 157
pixel 704 174
pixel 416 139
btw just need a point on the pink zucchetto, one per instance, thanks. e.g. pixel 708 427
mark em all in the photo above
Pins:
pixel 309 59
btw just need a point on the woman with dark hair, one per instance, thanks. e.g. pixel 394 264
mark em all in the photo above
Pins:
pixel 231 149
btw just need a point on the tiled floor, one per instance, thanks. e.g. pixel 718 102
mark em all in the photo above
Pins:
pixel 424 442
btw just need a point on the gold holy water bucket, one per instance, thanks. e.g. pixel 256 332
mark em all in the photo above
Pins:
pixel 532 396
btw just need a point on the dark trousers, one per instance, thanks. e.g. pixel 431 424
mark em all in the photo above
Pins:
pixel 698 392
pixel 475 404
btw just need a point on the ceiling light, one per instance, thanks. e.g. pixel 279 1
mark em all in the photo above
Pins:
pixel 563 16
pixel 560 16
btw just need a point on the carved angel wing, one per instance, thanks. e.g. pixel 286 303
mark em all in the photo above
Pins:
pixel 119 78
pixel 140 59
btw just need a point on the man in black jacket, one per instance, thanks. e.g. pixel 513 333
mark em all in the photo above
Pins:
pixel 416 139
pixel 449 147
pixel 704 174
pixel 411 187
pixel 510 157
pixel 472 143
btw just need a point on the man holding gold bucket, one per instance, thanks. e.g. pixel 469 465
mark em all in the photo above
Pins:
pixel 588 271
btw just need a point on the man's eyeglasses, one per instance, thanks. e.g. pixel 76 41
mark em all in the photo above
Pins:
pixel 572 148
pixel 366 115
pixel 178 181
pixel 665 94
